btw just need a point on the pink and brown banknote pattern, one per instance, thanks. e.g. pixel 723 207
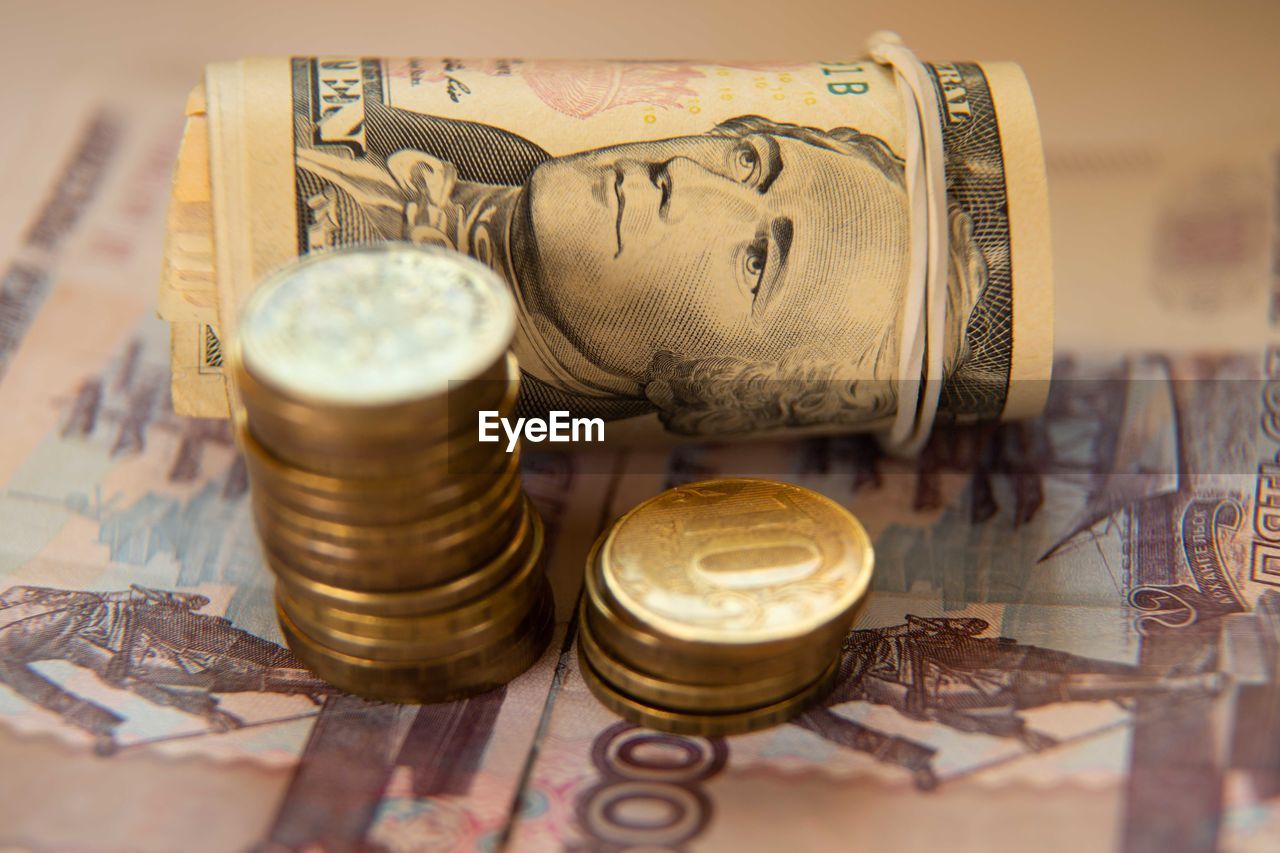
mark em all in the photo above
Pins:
pixel 1073 636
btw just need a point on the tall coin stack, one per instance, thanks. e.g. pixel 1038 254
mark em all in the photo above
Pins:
pixel 721 607
pixel 407 558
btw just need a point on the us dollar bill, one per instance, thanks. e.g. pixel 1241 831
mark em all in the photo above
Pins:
pixel 695 249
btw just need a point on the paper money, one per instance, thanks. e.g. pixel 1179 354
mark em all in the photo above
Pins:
pixel 142 674
pixel 1036 647
pixel 1124 544
pixel 141 666
pixel 695 249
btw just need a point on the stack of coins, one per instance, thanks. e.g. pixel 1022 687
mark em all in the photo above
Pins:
pixel 407 558
pixel 721 607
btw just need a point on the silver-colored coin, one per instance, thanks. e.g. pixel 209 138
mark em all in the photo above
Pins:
pixel 375 326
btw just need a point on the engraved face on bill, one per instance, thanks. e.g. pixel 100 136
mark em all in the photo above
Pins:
pixel 730 269
pixel 742 241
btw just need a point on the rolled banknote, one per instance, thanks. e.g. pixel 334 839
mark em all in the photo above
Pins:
pixel 695 249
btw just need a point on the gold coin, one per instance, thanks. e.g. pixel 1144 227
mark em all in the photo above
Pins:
pixel 429 681
pixel 389 570
pixel 386 472
pixel 406 483
pixel 510 596
pixel 421 600
pixel 323 445
pixel 642 649
pixel 285 421
pixel 439 646
pixel 737 562
pixel 367 504
pixel 422 454
pixel 726 723
pixel 422 447
pixel 423 559
pixel 438 461
pixel 381 510
pixel 502 493
pixel 680 696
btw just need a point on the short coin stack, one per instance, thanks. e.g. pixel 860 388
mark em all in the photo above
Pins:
pixel 407 558
pixel 721 607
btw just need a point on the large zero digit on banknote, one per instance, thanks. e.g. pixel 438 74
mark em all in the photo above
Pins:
pixel 695 249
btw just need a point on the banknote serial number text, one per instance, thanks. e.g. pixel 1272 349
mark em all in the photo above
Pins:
pixel 558 427
pixel 1265 561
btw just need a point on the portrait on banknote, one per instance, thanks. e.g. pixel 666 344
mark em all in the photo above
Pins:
pixel 743 272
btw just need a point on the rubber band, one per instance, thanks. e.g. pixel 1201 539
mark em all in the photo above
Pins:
pixel 925 308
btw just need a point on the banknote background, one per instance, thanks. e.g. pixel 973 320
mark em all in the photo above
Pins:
pixel 1084 533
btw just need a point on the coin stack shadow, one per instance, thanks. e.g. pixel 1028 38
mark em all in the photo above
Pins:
pixel 408 560
pixel 731 673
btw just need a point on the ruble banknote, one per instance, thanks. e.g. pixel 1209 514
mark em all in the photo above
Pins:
pixel 1070 641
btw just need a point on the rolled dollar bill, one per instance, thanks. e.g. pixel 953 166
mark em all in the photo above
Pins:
pixel 695 249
